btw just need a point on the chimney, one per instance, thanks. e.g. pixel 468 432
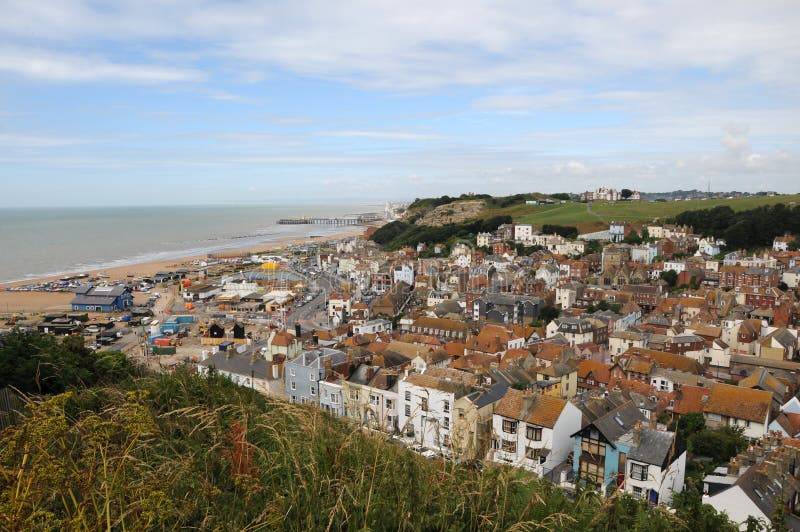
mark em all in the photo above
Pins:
pixel 733 468
pixel 637 434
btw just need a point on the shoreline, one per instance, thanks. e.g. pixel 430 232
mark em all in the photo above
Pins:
pixel 41 300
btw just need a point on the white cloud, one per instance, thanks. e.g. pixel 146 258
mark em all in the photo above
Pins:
pixel 384 135
pixel 420 44
pixel 55 66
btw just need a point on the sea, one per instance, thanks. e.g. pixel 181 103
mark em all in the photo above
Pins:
pixel 43 242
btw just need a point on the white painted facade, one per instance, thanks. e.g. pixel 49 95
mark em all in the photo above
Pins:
pixel 528 445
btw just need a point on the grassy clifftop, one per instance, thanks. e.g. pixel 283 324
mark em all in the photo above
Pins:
pixel 174 452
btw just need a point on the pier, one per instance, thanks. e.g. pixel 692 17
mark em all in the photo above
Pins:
pixel 358 219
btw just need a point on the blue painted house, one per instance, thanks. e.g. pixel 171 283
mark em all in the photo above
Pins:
pixel 304 373
pixel 615 450
pixel 598 458
pixel 102 298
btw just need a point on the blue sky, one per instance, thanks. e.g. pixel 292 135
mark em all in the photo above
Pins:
pixel 202 102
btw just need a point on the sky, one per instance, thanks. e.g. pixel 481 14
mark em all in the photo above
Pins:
pixel 193 101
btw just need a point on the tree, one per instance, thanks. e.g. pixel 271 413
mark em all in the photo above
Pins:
pixel 548 314
pixel 670 276
pixel 720 444
pixel 626 193
pixel 633 239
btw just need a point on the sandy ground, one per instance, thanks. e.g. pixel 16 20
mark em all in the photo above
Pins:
pixel 19 301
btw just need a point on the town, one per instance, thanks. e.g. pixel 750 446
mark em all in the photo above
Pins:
pixel 618 360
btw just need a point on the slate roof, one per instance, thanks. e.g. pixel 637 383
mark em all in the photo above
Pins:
pixel 238 364
pixel 97 295
pixel 489 395
pixel 654 446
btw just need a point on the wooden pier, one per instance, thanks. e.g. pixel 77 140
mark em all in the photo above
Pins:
pixel 359 219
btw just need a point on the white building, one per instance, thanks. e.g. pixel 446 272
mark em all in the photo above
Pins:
pixel 652 471
pixel 404 273
pixel 523 233
pixel 533 431
pixel 373 327
pixel 676 265
pixel 427 399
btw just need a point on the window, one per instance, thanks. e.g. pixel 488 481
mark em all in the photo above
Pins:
pixel 638 471
pixel 334 399
pixel 534 433
pixel 533 453
pixel 313 390
pixel 446 406
pixel 493 444
pixel 294 385
pixel 291 372
pixel 509 426
pixel 424 405
pixel 389 404
pixel 408 410
pixel 638 492
pixel 593 447
pixel 592 472
pixel 509 446
pixel 312 377
pixel 446 423
pixel 354 395
pixel 408 396
pixel 714 417
pixel 374 400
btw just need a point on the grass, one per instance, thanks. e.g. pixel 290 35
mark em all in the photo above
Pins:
pixel 183 452
pixel 599 214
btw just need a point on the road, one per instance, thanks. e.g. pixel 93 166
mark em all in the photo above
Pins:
pixel 313 315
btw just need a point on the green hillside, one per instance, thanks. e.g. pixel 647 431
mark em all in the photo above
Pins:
pixel 179 451
pixel 598 214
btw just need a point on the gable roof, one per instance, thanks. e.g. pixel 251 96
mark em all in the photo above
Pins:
pixel 444 379
pixel 738 402
pixel 536 409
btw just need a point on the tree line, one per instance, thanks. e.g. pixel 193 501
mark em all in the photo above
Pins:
pixel 398 234
pixel 753 228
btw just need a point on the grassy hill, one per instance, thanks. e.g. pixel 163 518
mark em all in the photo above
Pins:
pixel 184 452
pixel 599 214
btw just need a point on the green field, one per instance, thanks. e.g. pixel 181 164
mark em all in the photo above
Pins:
pixel 599 214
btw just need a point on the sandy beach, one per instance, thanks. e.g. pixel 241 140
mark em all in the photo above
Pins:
pixel 34 301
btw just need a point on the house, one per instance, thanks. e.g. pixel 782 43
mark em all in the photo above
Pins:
pixel 282 343
pixel 469 438
pixel 304 372
pixel 102 298
pixel 654 468
pixel 596 456
pixel 757 483
pixel 494 340
pixel 505 308
pixel 739 407
pixel 427 404
pixel 781 243
pixel 373 327
pixel 593 375
pixel 370 395
pixel 331 398
pixel 441 328
pixel 431 359
pixel 579 330
pixel 533 431
pixel 248 370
